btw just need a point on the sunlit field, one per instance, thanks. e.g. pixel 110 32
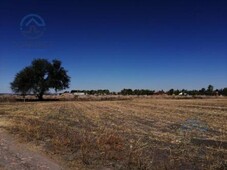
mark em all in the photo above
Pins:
pixel 140 133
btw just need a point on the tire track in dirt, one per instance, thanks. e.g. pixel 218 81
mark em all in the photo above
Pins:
pixel 17 156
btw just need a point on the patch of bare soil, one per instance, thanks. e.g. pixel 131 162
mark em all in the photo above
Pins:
pixel 17 156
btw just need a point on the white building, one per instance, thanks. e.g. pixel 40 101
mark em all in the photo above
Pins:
pixel 79 94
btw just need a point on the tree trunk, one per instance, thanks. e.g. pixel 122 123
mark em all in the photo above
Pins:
pixel 40 96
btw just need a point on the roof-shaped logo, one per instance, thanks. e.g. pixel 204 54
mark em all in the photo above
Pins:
pixel 32 26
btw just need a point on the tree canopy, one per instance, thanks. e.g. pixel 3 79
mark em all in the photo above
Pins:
pixel 40 77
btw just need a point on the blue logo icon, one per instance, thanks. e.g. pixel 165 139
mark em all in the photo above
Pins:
pixel 32 26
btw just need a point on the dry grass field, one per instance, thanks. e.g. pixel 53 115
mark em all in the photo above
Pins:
pixel 142 133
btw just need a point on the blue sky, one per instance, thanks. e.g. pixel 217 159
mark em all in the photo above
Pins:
pixel 154 44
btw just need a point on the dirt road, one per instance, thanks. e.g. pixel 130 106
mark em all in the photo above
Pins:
pixel 14 155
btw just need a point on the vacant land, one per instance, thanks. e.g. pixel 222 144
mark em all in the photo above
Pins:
pixel 17 156
pixel 141 133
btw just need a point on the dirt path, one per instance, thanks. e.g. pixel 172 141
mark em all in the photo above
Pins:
pixel 14 155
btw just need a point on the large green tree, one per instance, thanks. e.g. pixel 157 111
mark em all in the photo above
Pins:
pixel 40 77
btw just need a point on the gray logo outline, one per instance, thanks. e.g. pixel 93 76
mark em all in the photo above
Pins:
pixel 32 26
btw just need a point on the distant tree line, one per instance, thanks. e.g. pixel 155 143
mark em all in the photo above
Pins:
pixel 209 91
pixel 42 75
pixel 93 92
pixel 122 92
pixel 137 92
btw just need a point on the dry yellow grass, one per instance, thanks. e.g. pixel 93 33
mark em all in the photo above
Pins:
pixel 141 133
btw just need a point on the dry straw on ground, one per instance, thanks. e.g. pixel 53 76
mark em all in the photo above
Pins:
pixel 142 133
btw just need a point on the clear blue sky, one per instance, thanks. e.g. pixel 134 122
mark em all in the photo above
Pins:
pixel 115 44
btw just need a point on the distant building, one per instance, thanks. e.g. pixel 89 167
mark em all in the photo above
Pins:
pixel 182 94
pixel 216 93
pixel 79 94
